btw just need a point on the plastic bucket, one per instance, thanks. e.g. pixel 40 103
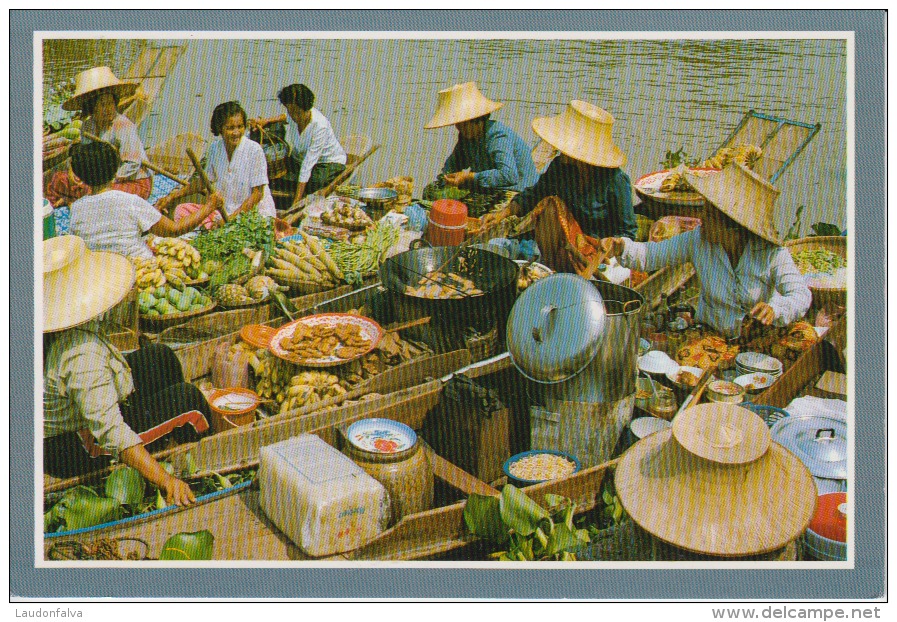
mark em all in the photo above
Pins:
pixel 232 407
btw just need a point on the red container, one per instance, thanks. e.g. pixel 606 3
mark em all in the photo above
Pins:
pixel 447 224
pixel 830 520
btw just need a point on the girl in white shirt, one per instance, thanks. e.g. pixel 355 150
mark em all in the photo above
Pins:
pixel 317 156
pixel 234 164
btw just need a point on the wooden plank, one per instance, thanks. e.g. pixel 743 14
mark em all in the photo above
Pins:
pixel 799 375
pixel 834 383
pixel 664 282
pixel 457 478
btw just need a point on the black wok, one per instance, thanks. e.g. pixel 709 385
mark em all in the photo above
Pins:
pixel 452 317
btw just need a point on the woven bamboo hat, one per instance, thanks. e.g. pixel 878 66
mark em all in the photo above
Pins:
pixel 80 284
pixel 743 196
pixel 724 433
pixel 461 102
pixel 583 132
pixel 89 82
pixel 714 508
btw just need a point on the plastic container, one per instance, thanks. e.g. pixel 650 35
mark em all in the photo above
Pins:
pixel 325 503
pixel 230 369
pixel 521 482
pixel 49 221
pixel 232 407
pixel 826 537
pixel 397 463
pixel 447 223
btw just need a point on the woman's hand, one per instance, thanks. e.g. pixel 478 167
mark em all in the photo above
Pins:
pixel 214 202
pixel 493 218
pixel 763 313
pixel 177 492
pixel 257 123
pixel 164 203
pixel 459 179
pixel 612 247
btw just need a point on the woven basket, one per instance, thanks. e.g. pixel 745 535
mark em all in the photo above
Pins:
pixel 157 324
pixel 824 297
pixel 277 153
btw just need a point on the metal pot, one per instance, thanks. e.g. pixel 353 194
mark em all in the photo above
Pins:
pixel 820 441
pixel 451 317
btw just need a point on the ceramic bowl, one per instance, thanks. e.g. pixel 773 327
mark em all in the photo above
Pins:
pixel 521 482
pixel 755 382
pixel 673 376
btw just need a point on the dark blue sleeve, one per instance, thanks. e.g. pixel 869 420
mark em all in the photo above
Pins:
pixel 453 164
pixel 504 174
pixel 619 204
pixel 529 198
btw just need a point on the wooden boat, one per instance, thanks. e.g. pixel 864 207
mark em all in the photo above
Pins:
pixel 242 532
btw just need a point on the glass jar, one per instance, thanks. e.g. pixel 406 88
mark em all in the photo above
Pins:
pixel 406 475
pixel 663 404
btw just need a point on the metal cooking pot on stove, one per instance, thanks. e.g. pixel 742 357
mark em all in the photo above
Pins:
pixel 451 317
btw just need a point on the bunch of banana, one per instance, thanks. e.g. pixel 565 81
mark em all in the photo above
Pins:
pixel 272 375
pixel 309 387
pixel 743 154
pixel 149 274
pixel 179 258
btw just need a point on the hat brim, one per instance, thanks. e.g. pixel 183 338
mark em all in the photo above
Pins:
pixel 715 509
pixel 76 102
pixel 444 118
pixel 94 284
pixel 552 131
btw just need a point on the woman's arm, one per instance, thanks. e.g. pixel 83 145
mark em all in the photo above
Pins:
pixel 651 256
pixel 251 201
pixel 168 228
pixel 619 199
pixel 174 198
pixel 504 174
pixel 792 297
pixel 260 122
pixel 176 491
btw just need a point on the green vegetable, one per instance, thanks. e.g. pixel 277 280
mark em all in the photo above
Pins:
pixel 161 292
pixel 183 305
pixel 231 270
pixel 818 260
pixel 247 230
pixel 145 299
pixel 188 546
pixel 126 486
pixel 174 296
pixel 81 507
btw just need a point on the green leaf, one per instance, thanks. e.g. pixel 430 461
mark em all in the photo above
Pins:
pixel 519 512
pixel 82 507
pixel 563 538
pixel 126 486
pixel 541 537
pixel 188 546
pixel 482 516
pixel 555 501
pixel 825 228
pixel 190 464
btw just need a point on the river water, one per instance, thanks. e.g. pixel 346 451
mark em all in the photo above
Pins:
pixel 664 94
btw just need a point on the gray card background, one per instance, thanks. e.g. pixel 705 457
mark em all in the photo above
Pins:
pixel 865 581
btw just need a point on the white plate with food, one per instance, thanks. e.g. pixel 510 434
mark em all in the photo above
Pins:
pixel 326 339
pixel 685 377
pixel 755 382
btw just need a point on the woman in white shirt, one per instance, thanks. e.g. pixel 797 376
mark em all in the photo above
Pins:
pixel 111 220
pixel 234 164
pixel 737 254
pixel 317 156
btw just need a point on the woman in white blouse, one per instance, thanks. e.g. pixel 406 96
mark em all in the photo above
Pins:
pixel 235 165
pixel 317 156
pixel 737 254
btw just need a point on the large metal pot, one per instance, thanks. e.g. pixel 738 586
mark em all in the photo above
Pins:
pixel 451 317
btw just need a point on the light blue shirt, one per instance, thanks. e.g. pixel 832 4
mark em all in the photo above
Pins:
pixel 500 159
pixel 765 273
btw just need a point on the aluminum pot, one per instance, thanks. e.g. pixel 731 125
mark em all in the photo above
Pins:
pixel 577 340
pixel 451 317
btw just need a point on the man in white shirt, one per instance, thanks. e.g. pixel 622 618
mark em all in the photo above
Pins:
pixel 317 156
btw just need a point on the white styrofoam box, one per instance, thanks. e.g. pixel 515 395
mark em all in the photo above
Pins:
pixel 318 497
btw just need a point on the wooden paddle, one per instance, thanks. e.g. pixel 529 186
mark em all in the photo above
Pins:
pixel 295 211
pixel 205 180
pixel 146 163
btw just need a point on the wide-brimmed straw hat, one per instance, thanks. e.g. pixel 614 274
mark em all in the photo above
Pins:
pixel 461 102
pixel 743 196
pixel 583 132
pixel 715 508
pixel 87 83
pixel 80 284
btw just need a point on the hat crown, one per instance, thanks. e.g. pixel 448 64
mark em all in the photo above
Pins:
pixel 95 79
pixel 583 132
pixel 62 251
pixel 724 433
pixel 592 112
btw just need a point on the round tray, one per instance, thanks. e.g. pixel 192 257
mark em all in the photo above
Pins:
pixel 175 318
pixel 823 296
pixel 371 329
pixel 647 187
pixel 257 335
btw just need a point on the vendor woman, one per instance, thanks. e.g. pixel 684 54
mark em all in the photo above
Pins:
pixel 97 95
pixel 99 404
pixel 488 154
pixel 234 164
pixel 111 220
pixel 317 157
pixel 582 196
pixel 737 254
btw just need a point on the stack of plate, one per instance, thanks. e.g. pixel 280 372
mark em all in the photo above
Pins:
pixel 755 362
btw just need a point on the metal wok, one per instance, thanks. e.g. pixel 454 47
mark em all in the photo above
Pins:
pixel 452 317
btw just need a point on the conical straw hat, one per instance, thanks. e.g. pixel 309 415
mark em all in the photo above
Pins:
pixel 743 196
pixel 461 102
pixel 725 510
pixel 583 132
pixel 92 80
pixel 80 284
pixel 724 433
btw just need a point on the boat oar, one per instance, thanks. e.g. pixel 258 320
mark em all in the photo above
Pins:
pixel 146 163
pixel 295 211
pixel 205 179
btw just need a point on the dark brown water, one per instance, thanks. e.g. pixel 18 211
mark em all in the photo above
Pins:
pixel 665 94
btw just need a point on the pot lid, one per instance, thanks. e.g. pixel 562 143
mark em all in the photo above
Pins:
pixel 820 441
pixel 555 328
pixel 830 519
